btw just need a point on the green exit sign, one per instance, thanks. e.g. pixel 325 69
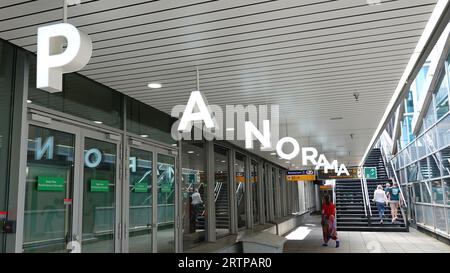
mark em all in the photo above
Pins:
pixel 370 172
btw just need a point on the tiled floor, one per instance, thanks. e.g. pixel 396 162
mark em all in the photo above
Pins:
pixel 308 239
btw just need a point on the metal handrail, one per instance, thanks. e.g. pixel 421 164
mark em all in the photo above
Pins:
pixel 367 196
pixel 399 186
pixel 364 197
pixel 219 188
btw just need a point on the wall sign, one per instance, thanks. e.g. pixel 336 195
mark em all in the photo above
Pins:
pixel 301 175
pixel 99 185
pixel 140 187
pixel 48 183
pixel 370 172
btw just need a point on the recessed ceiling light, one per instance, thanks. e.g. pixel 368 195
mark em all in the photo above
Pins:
pixel 273 153
pixel 98 122
pixel 144 135
pixel 223 161
pixel 154 85
pixel 230 129
pixel 29 101
pixel 190 152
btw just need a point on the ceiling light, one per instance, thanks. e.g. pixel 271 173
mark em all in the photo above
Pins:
pixel 29 101
pixel 190 152
pixel 273 153
pixel 223 161
pixel 154 85
pixel 144 135
pixel 230 129
pixel 98 122
pixel 174 145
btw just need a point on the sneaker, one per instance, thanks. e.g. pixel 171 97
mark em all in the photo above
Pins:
pixel 337 244
pixel 381 221
pixel 324 244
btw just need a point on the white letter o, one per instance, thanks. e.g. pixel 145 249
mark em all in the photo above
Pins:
pixel 87 158
pixel 291 155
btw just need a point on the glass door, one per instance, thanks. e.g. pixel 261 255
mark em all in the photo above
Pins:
pixel 49 221
pixel 99 194
pixel 140 196
pixel 165 179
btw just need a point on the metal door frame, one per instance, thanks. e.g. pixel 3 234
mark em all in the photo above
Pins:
pixel 115 139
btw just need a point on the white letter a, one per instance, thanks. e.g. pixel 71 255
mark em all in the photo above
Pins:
pixel 203 114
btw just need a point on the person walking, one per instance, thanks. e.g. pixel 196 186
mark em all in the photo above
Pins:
pixel 196 203
pixel 380 199
pixel 387 187
pixel 328 223
pixel 394 200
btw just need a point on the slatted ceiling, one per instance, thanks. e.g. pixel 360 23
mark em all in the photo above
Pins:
pixel 11 3
pixel 307 56
pixel 338 61
pixel 348 63
pixel 210 84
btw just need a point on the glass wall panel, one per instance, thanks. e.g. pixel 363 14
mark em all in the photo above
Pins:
pixel 441 97
pixel 194 181
pixel 445 159
pixel 221 190
pixel 420 145
pixel 440 219
pixel 433 161
pixel 426 192
pixel 447 190
pixel 81 97
pixel 6 69
pixel 424 172
pixel 411 172
pixel 412 152
pixel 443 132
pixel 448 220
pixel 428 216
pixel 417 192
pixel 437 191
pixel 419 213
pixel 430 118
pixel 149 122
pixel 241 193
pixel 430 140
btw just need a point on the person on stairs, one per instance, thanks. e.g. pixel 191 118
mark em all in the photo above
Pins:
pixel 381 200
pixel 328 221
pixel 394 200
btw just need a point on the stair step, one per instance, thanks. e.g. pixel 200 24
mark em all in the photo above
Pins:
pixel 384 228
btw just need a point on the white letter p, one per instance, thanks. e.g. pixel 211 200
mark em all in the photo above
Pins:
pixel 52 61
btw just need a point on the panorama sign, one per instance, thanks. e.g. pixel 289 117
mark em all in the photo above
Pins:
pixel 55 58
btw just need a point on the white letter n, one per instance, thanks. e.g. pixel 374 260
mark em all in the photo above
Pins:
pixel 251 130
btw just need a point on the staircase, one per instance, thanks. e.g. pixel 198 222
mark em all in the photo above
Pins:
pixel 350 212
pixel 222 208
